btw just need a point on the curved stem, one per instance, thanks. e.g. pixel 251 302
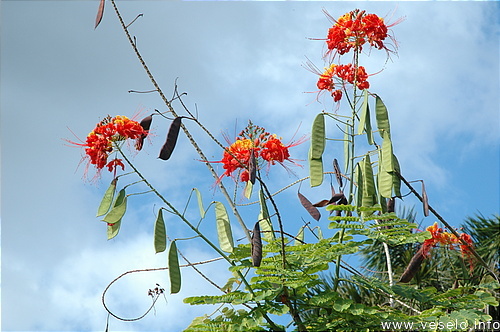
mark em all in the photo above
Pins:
pixel 201 235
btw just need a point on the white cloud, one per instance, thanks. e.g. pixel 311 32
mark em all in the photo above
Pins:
pixel 235 60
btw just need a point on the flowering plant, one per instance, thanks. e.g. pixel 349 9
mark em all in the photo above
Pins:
pixel 275 273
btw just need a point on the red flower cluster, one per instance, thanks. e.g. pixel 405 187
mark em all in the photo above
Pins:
pixel 346 73
pixel 354 29
pixel 350 32
pixel 441 237
pixel 99 143
pixel 254 140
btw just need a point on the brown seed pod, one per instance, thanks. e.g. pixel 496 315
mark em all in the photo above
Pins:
pixel 425 200
pixel 321 203
pixel 173 134
pixel 412 267
pixel 256 246
pixel 338 175
pixel 145 124
pixel 252 167
pixel 391 204
pixel 313 211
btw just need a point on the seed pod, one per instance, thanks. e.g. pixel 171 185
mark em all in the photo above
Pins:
pixel 173 134
pixel 252 166
pixel 391 204
pixel 425 200
pixel 256 246
pixel 412 267
pixel 338 175
pixel 342 201
pixel 145 124
pixel 337 198
pixel 321 203
pixel 313 211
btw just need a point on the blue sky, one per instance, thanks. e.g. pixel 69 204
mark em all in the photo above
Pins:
pixel 236 61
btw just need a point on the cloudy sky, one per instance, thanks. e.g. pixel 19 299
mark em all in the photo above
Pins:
pixel 236 61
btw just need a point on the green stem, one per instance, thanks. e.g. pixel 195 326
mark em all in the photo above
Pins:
pixel 194 229
pixel 352 147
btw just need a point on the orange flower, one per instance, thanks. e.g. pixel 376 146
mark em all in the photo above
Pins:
pixel 354 29
pixel 99 143
pixel 445 238
pixel 345 73
pixel 266 147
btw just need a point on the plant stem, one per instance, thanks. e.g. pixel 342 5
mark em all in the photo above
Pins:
pixel 452 230
pixel 187 222
pixel 188 134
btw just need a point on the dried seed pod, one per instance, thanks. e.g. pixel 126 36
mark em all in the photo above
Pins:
pixel 337 198
pixel 412 267
pixel 338 175
pixel 145 124
pixel 256 246
pixel 173 134
pixel 342 201
pixel 391 204
pixel 252 167
pixel 313 211
pixel 425 200
pixel 321 203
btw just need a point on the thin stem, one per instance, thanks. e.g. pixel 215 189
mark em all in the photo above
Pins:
pixel 188 134
pixel 194 229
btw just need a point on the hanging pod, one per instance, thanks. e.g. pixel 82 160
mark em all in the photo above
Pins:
pixel 172 135
pixel 256 246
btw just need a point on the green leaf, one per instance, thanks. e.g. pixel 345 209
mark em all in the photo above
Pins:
pixel 107 199
pixel 174 270
pixel 160 240
pixel 396 181
pixel 118 210
pixel 318 137
pixel 385 179
pixel 318 140
pixel 299 238
pixel 320 233
pixel 223 228
pixel 264 220
pixel 200 203
pixel 316 172
pixel 387 159
pixel 248 189
pixel 382 117
pixel 113 229
pixel 364 119
pixel 369 191
pixel 358 178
